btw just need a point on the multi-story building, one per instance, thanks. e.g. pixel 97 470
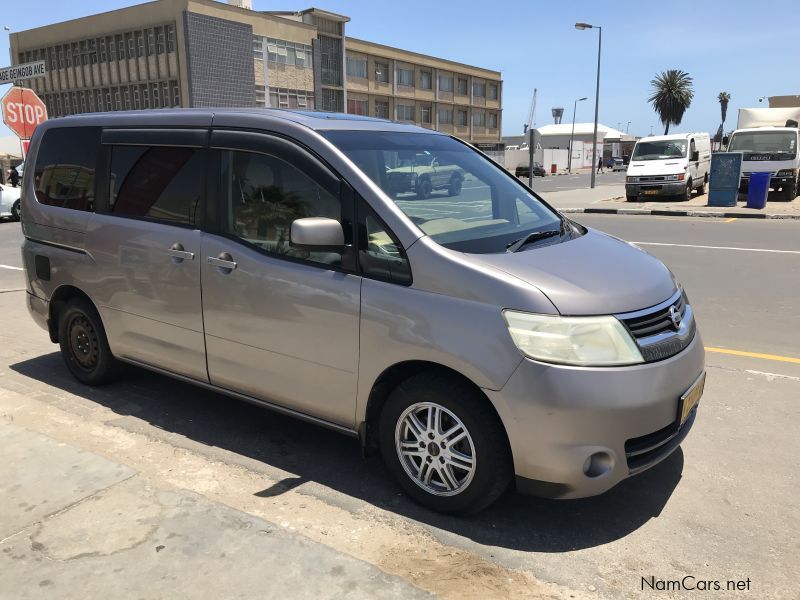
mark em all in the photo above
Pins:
pixel 204 53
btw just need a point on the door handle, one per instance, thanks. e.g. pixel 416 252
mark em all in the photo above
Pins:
pixel 223 261
pixel 178 254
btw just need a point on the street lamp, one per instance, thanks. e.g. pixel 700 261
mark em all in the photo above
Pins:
pixel 572 135
pixel 627 127
pixel 582 26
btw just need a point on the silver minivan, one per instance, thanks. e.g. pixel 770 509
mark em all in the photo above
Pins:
pixel 472 335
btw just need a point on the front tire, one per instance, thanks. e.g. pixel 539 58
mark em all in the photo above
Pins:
pixel 444 444
pixel 454 189
pixel 424 189
pixel 687 195
pixel 790 193
pixel 15 211
pixel 84 345
pixel 630 198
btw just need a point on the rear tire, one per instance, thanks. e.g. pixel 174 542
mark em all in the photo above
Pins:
pixel 84 345
pixel 15 211
pixel 459 473
pixel 702 189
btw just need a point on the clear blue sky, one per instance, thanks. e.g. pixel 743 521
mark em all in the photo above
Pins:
pixel 747 48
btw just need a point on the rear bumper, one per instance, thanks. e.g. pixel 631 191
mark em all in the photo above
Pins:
pixel 38 309
pixel 577 432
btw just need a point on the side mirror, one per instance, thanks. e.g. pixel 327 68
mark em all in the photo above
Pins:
pixel 724 140
pixel 695 156
pixel 317 234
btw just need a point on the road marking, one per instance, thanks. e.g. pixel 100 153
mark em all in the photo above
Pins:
pixel 771 376
pixel 729 220
pixel 718 247
pixel 776 357
pixel 9 267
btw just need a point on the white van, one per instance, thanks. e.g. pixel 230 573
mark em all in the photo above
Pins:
pixel 669 165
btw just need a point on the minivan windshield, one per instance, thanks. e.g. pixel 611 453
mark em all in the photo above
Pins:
pixel 781 142
pixel 457 196
pixel 660 150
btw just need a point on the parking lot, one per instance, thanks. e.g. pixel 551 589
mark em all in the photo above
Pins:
pixel 722 508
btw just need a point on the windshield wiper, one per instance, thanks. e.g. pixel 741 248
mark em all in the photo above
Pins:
pixel 534 237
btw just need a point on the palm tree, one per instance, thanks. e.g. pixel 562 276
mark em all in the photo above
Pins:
pixel 724 98
pixel 672 95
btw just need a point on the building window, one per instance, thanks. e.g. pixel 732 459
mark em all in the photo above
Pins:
pixel 261 95
pixel 382 72
pixel 425 81
pixel 161 41
pixel 445 84
pixel 478 118
pixel 478 89
pixel 176 95
pixel 405 112
pixel 405 77
pixel 382 109
pixel 357 107
pixel 462 118
pixel 445 116
pixel 492 91
pixel 357 67
pixel 425 113
pixel 139 44
pixel 170 38
pixel 462 87
pixel 492 120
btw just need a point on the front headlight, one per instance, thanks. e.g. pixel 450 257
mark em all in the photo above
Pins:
pixel 786 173
pixel 678 177
pixel 584 341
pixel 631 179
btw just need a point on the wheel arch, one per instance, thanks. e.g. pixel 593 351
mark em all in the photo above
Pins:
pixel 388 380
pixel 60 297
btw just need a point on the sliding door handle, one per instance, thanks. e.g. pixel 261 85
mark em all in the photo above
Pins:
pixel 223 261
pixel 178 254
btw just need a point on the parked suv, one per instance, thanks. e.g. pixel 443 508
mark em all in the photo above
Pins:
pixel 476 341
pixel 523 170
pixel 422 174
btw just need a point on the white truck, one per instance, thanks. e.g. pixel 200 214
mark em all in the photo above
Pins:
pixel 768 139
pixel 669 165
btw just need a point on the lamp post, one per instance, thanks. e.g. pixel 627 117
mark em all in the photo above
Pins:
pixel 572 135
pixel 627 127
pixel 597 94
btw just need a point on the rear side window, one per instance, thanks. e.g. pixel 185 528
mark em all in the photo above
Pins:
pixel 158 182
pixel 65 167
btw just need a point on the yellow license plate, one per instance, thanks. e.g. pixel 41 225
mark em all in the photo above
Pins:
pixel 650 192
pixel 690 399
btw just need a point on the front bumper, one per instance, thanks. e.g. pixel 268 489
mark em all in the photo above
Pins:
pixel 660 188
pixel 559 417
pixel 774 183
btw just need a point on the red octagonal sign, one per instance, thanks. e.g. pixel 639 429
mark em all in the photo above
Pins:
pixel 23 110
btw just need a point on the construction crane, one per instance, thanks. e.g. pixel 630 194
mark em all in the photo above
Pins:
pixel 531 115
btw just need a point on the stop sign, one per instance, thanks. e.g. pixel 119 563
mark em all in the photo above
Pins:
pixel 23 110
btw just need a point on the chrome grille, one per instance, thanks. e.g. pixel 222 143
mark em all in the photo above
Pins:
pixel 655 332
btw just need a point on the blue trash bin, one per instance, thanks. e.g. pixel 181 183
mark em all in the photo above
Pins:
pixel 757 190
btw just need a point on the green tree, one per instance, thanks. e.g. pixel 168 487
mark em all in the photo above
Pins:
pixel 671 96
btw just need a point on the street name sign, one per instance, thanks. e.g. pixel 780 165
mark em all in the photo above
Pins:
pixel 26 71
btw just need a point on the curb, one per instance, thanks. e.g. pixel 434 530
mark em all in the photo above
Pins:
pixel 677 213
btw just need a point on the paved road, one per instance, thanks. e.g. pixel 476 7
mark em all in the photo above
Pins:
pixel 722 508
pixel 560 183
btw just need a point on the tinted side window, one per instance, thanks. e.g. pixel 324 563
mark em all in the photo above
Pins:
pixel 264 194
pixel 65 167
pixel 159 182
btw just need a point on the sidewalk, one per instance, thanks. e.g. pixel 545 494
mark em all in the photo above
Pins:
pixel 77 525
pixel 610 199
